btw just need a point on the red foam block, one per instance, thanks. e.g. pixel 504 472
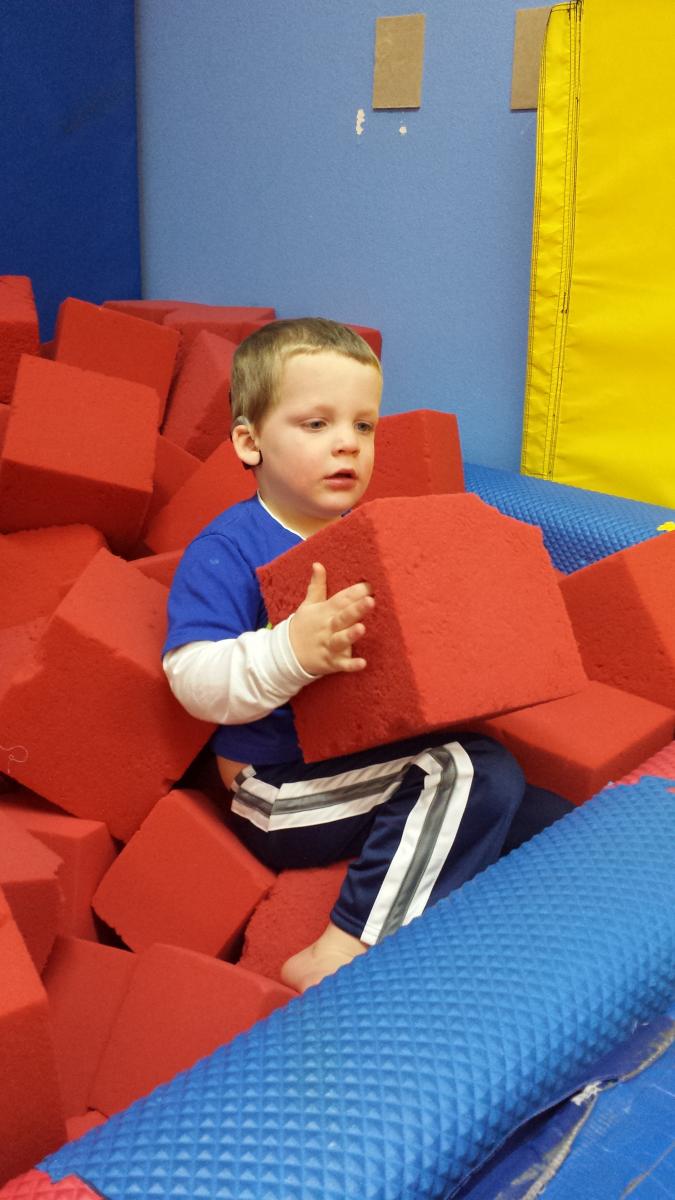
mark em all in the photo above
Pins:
pixel 85 848
pixel 18 328
pixel 147 310
pixel 42 565
pixel 372 336
pixel 85 984
pixel 576 745
pixel 161 567
pixel 198 417
pixel 661 764
pixel 156 1035
pixel 173 468
pixel 102 735
pixel 229 321
pixel 76 1127
pixel 79 449
pixel 31 1117
pixel 468 621
pixel 214 486
pixel 201 899
pixel 622 612
pixel 29 877
pixel 416 454
pixel 291 916
pixel 37 1185
pixel 4 421
pixel 114 343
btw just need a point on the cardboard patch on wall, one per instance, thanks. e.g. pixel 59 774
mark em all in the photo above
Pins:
pixel 528 43
pixel 399 59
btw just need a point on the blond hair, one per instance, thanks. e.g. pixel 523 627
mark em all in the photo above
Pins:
pixel 258 361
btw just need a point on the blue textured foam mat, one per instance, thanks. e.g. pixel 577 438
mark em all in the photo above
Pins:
pixel 579 527
pixel 400 1074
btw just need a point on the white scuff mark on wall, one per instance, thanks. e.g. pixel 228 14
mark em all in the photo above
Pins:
pixel 403 129
pixel 360 120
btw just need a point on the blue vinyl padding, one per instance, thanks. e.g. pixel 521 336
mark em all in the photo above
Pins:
pixel 399 1075
pixel 579 526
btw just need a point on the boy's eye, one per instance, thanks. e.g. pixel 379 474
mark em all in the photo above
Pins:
pixel 314 423
pixel 365 427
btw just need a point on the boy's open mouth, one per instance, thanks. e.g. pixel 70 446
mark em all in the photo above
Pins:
pixel 344 474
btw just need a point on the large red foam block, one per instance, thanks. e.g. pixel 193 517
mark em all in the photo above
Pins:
pixel 468 622
pixel 576 745
pixel 31 1116
pixel 622 612
pixel 79 449
pixel 19 332
pixel 147 310
pixel 42 565
pixel 85 848
pixel 29 877
pixel 229 321
pixel 102 735
pixel 114 343
pixel 417 454
pixel 214 486
pixel 173 468
pixel 198 416
pixel 294 913
pixel 184 879
pixel 37 1185
pixel 156 1035
pixel 661 764
pixel 161 567
pixel 85 984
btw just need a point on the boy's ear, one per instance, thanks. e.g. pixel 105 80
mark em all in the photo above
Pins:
pixel 245 443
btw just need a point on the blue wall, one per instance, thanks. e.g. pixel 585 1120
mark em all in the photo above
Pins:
pixel 256 188
pixel 69 192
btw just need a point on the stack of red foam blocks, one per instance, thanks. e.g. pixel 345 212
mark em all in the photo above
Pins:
pixel 136 933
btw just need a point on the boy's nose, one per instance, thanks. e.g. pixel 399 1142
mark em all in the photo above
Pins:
pixel 346 442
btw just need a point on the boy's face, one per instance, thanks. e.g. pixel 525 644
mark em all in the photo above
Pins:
pixel 317 442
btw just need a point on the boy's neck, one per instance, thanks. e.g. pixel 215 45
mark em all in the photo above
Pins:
pixel 299 523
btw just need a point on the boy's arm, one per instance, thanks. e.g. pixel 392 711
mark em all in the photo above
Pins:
pixel 236 680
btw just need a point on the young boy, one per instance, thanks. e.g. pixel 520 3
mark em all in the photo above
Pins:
pixel 419 817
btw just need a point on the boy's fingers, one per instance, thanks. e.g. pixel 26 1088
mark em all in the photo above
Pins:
pixel 316 588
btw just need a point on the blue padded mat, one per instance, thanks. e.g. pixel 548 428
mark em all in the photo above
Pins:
pixel 400 1074
pixel 579 527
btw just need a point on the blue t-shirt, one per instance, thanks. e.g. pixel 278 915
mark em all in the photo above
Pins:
pixel 215 594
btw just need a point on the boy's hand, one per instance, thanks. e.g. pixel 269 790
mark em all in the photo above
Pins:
pixel 324 629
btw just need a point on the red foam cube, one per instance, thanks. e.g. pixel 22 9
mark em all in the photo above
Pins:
pixel 199 417
pixel 113 343
pixel 19 332
pixel 292 915
pixel 31 1116
pixel 76 1127
pixel 156 891
pixel 85 848
pixel 231 322
pixel 85 984
pixel 42 564
pixel 214 486
pixel 29 878
pixel 173 468
pixel 576 745
pixel 621 609
pixel 79 449
pixel 102 735
pixel 4 421
pixel 417 454
pixel 156 1035
pixel 161 567
pixel 468 622
pixel 661 764
pixel 147 310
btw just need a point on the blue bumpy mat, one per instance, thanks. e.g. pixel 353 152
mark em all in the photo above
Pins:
pixel 399 1075
pixel 579 527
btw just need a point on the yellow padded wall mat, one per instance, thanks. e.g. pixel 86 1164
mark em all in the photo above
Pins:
pixel 600 390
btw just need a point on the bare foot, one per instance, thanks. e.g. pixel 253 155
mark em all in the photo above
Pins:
pixel 325 956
